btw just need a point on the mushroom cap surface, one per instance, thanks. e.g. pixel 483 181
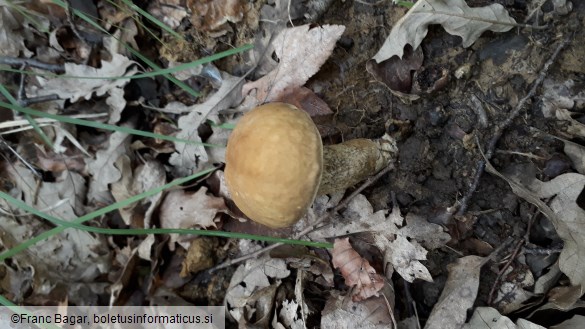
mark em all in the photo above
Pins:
pixel 274 162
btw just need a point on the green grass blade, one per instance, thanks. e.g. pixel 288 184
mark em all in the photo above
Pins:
pixel 151 18
pixel 32 121
pixel 133 51
pixel 102 211
pixel 99 230
pixel 175 69
pixel 100 125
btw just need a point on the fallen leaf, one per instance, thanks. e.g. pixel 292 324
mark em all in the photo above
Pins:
pixel 490 318
pixel 103 170
pixel 341 312
pixel 86 80
pixel 188 157
pixel 397 73
pixel 301 51
pixel 565 214
pixel 73 255
pixel 145 177
pixel 357 272
pixel 180 209
pixel 214 15
pixel 456 17
pixel 251 277
pixel 200 255
pixel 398 242
pixel 169 12
pixel 11 34
pixel 458 295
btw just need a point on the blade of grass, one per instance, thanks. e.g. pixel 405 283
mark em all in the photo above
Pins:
pixel 151 18
pixel 99 230
pixel 100 125
pixel 124 203
pixel 175 69
pixel 32 121
pixel 99 212
pixel 132 50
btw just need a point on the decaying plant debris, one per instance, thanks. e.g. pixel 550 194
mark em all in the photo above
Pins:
pixel 482 216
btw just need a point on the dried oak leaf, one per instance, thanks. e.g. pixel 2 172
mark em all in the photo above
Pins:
pixel 563 211
pixel 213 15
pixel 458 295
pixel 357 271
pixel 403 246
pixel 145 177
pixel 190 157
pixel 90 79
pixel 456 17
pixel 190 210
pixel 301 51
pixel 490 318
pixel 103 170
pixel 342 313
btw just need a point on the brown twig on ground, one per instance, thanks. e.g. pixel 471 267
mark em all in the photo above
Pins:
pixel 13 61
pixel 500 128
pixel 503 270
pixel 315 226
pixel 23 100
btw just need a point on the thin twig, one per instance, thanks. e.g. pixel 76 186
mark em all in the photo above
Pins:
pixel 39 99
pixel 464 203
pixel 315 226
pixel 13 61
pixel 503 270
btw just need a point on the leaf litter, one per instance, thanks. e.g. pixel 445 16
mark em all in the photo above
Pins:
pixel 294 288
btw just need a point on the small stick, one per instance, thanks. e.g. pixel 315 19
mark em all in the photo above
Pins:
pixel 503 270
pixel 13 61
pixel 464 203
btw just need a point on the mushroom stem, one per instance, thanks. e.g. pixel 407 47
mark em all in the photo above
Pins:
pixel 349 163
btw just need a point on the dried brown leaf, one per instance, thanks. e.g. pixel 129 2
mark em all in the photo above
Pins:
pixel 301 51
pixel 188 157
pixel 190 210
pixel 490 318
pixel 358 272
pixel 341 312
pixel 456 17
pixel 458 295
pixel 398 242
pixel 563 211
pixel 89 82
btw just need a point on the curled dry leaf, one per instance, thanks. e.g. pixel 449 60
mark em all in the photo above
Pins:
pixel 403 246
pixel 145 177
pixel 301 51
pixel 213 15
pixel 190 210
pixel 458 295
pixel 90 80
pixel 396 73
pixel 103 170
pixel 563 211
pixel 71 256
pixel 341 312
pixel 454 15
pixel 250 278
pixel 189 157
pixel 358 272
pixel 12 34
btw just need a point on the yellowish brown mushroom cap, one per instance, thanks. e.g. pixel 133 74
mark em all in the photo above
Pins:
pixel 274 161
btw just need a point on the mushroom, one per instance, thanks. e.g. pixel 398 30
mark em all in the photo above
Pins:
pixel 276 163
